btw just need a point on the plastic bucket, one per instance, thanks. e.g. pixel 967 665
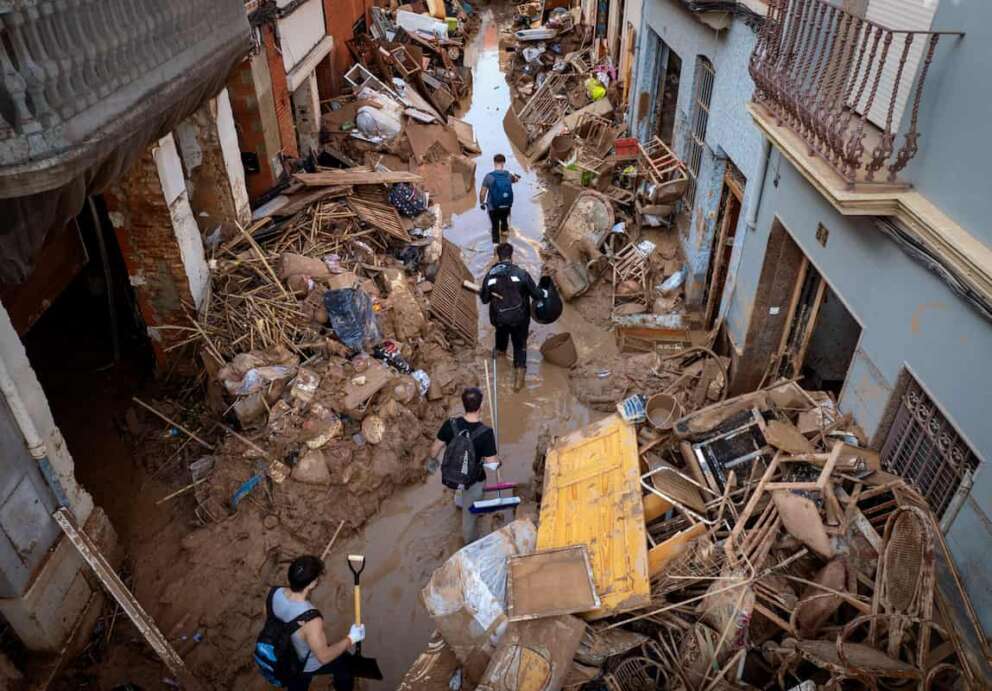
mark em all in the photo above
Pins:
pixel 560 350
pixel 561 147
pixel 663 410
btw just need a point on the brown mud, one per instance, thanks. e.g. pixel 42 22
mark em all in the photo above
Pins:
pixel 205 586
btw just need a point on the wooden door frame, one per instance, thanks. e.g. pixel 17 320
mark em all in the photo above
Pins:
pixel 799 356
pixel 737 193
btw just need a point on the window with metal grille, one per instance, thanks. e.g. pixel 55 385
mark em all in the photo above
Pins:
pixel 924 449
pixel 700 119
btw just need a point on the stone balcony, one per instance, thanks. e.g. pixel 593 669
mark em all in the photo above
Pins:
pixel 85 85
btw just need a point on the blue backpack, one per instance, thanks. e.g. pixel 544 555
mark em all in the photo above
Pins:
pixel 274 653
pixel 501 190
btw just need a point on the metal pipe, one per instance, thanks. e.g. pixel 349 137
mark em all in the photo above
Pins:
pixel 32 437
pixel 760 174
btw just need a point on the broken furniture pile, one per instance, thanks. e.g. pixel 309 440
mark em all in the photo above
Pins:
pixel 409 75
pixel 757 543
pixel 781 553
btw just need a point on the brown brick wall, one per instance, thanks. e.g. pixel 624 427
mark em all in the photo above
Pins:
pixel 340 16
pixel 251 138
pixel 280 92
pixel 143 226
pixel 207 182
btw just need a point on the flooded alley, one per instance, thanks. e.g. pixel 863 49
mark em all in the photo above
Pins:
pixel 417 529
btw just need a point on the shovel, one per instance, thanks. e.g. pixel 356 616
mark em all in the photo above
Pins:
pixel 361 667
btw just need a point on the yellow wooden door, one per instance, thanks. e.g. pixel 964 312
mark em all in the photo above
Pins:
pixel 592 497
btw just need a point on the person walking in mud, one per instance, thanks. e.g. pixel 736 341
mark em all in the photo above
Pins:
pixel 508 290
pixel 469 449
pixel 496 196
pixel 293 648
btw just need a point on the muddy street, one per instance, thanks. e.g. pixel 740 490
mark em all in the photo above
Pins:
pixel 417 529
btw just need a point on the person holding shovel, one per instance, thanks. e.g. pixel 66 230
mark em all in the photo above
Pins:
pixel 469 448
pixel 496 196
pixel 508 290
pixel 309 642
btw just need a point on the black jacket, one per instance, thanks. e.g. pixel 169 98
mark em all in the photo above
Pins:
pixel 528 289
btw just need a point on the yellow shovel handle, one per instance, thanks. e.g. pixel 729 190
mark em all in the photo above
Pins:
pixel 358 605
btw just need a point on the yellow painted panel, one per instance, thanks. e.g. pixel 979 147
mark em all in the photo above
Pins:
pixel 661 555
pixel 592 497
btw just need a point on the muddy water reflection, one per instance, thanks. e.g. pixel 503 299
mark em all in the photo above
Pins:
pixel 418 528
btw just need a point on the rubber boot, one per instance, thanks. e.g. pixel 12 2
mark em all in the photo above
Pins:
pixel 519 373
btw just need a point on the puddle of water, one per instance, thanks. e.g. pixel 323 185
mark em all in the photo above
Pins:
pixel 418 528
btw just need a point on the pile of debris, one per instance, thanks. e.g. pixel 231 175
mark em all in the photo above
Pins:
pixel 618 197
pixel 335 337
pixel 755 544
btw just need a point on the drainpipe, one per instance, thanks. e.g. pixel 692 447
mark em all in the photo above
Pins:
pixel 751 221
pixel 760 173
pixel 35 443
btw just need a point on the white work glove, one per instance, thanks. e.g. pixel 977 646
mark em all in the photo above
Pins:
pixel 357 633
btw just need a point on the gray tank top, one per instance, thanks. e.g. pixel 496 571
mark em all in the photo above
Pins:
pixel 287 610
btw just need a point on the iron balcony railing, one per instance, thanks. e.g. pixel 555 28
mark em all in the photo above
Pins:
pixel 70 69
pixel 842 83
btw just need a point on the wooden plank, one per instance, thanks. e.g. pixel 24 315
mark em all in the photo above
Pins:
pixel 661 555
pixel 655 507
pixel 135 612
pixel 327 178
pixel 299 202
pixel 602 510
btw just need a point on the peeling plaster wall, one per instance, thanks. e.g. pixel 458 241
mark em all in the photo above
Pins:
pixel 215 177
pixel 730 133
pixel 910 320
pixel 184 225
pixel 15 360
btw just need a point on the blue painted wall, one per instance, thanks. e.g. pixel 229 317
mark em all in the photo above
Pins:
pixel 952 165
pixel 910 319
pixel 729 134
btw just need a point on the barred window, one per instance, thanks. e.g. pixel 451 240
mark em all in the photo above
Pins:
pixel 925 450
pixel 700 119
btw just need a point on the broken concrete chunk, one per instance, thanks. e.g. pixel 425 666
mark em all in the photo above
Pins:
pixel 312 469
pixel 304 385
pixel 293 264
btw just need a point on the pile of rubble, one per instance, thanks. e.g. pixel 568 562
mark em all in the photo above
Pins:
pixel 335 338
pixel 618 197
pixel 764 547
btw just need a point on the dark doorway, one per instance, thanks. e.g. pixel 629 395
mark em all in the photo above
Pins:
pixel 831 347
pixel 87 374
pixel 666 101
pixel 821 337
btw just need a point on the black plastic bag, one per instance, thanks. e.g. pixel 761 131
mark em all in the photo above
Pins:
pixel 547 308
pixel 352 317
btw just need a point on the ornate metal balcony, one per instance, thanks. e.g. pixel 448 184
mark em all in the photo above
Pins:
pixel 842 83
pixel 79 79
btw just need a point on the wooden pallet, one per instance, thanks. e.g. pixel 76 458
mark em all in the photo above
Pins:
pixel 381 216
pixel 451 303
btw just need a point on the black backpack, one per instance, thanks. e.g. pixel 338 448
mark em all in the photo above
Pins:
pixel 274 652
pixel 510 309
pixel 547 308
pixel 460 465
